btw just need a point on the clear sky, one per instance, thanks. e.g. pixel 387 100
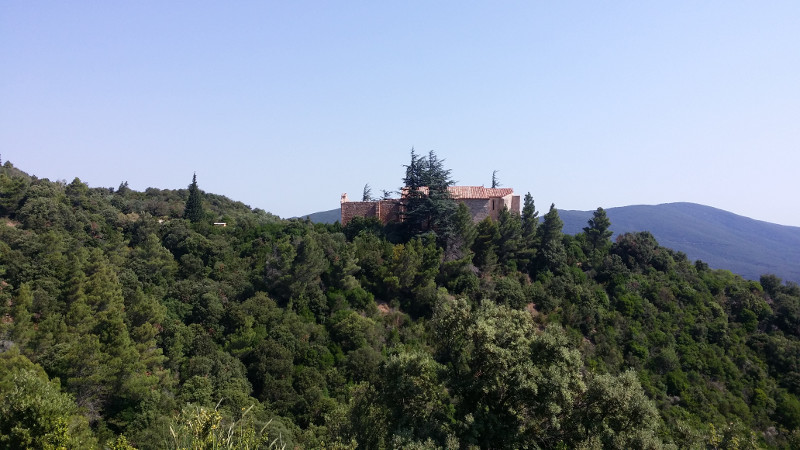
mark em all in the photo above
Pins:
pixel 285 105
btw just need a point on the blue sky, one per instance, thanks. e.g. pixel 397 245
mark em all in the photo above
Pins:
pixel 285 105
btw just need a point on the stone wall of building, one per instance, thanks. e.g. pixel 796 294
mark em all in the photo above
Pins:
pixel 478 208
pixel 358 209
pixel 515 204
pixel 384 210
pixel 390 210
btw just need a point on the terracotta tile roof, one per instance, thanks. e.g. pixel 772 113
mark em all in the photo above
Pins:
pixel 480 192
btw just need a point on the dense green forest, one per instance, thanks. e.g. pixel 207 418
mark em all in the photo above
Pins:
pixel 127 319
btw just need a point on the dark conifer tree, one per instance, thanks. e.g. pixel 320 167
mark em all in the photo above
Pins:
pixel 194 204
pixel 463 236
pixel 597 233
pixel 510 242
pixel 413 179
pixel 435 176
pixel 551 255
pixel 552 226
pixel 485 247
pixel 529 244
pixel 429 209
pixel 412 197
pixel 530 220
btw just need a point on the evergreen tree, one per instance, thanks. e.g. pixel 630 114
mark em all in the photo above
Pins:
pixel 495 181
pixel 434 174
pixel 597 233
pixel 510 242
pixel 413 179
pixel 21 313
pixel 13 190
pixel 413 199
pixel 485 247
pixel 464 234
pixel 530 223
pixel 194 204
pixel 530 219
pixel 366 196
pixel 433 210
pixel 551 230
pixel 551 256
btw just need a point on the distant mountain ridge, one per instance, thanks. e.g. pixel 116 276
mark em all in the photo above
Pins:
pixel 324 216
pixel 721 239
pixel 724 240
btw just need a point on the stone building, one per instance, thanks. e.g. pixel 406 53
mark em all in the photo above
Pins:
pixel 482 202
pixel 385 210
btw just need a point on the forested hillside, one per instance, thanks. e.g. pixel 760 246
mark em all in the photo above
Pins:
pixel 742 245
pixel 127 319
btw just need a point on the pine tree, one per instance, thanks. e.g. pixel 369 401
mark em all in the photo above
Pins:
pixel 597 233
pixel 464 234
pixel 551 230
pixel 551 255
pixel 495 181
pixel 21 313
pixel 508 246
pixel 530 219
pixel 194 204
pixel 485 247
pixel 530 223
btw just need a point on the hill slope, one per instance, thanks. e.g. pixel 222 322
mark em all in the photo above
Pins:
pixel 134 325
pixel 330 216
pixel 722 239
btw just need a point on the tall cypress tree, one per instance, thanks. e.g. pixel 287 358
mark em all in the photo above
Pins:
pixel 194 204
